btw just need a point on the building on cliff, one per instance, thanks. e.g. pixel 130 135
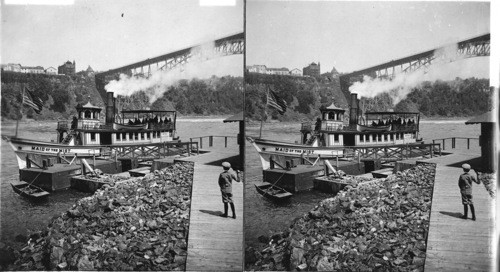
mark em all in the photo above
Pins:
pixel 51 71
pixel 67 68
pixel 313 70
pixel 295 72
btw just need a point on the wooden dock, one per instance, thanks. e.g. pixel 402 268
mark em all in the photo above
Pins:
pixel 455 244
pixel 215 243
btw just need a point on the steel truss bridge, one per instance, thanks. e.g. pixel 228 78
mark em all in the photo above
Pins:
pixel 474 47
pixel 230 45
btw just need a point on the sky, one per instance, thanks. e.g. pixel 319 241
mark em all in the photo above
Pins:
pixel 352 36
pixel 113 33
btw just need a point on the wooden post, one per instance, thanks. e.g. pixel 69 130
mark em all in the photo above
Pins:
pixel 28 161
pixel 201 142
pixel 337 161
pixel 453 142
pixel 443 144
pixel 210 141
pixel 225 141
pixel 468 143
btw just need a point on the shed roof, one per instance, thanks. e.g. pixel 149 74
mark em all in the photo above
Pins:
pixel 235 118
pixel 486 117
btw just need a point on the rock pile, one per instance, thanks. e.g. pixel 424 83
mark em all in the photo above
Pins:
pixel 140 224
pixel 379 226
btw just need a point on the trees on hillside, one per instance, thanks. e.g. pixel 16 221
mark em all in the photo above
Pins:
pixel 459 97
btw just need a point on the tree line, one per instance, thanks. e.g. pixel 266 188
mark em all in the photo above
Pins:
pixel 61 94
pixel 305 96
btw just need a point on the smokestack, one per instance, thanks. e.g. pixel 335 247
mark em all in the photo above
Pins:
pixel 110 108
pixel 353 114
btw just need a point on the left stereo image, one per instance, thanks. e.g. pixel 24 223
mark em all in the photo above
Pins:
pixel 122 136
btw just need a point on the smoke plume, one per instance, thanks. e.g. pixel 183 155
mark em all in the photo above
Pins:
pixel 402 84
pixel 156 84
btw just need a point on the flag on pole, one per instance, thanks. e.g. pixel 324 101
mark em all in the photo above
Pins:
pixel 276 102
pixel 30 100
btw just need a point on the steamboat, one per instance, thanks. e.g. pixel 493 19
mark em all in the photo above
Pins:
pixel 87 136
pixel 333 136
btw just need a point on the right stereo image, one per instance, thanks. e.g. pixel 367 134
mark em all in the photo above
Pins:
pixel 370 137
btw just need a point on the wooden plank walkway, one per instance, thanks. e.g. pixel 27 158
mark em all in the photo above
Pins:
pixel 455 244
pixel 214 243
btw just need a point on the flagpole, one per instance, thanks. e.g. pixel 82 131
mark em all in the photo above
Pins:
pixel 265 114
pixel 21 109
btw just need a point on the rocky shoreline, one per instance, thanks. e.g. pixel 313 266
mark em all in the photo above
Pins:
pixel 139 224
pixel 381 225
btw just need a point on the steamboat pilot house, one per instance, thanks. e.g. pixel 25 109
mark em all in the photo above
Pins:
pixel 372 129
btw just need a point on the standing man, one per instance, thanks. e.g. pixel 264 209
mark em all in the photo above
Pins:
pixel 225 183
pixel 465 185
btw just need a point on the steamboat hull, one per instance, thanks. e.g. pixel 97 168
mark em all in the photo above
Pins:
pixel 37 149
pixel 270 148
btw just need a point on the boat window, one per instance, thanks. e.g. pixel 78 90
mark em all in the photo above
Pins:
pixel 391 137
pixel 385 137
pixel 92 136
pixel 88 114
pixel 136 136
pixel 148 136
pixel 130 135
pixel 380 137
pixel 336 137
pixel 124 136
pixel 142 136
pixel 118 136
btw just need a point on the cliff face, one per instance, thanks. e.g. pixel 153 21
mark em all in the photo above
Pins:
pixel 60 94
pixel 304 95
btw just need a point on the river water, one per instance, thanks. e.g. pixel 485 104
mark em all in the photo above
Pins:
pixel 19 216
pixel 263 216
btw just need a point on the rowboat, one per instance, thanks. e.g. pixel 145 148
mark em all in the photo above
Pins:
pixel 118 126
pixel 272 192
pixel 29 191
pixel 362 128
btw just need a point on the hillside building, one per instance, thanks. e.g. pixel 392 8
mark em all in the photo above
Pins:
pixel 295 72
pixel 278 71
pixel 51 71
pixel 67 68
pixel 261 69
pixel 313 70
pixel 32 70
pixel 12 67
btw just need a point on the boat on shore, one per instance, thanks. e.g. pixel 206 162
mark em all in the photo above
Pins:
pixel 87 136
pixel 335 135
pixel 29 191
pixel 272 192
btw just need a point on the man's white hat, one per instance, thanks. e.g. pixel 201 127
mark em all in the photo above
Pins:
pixel 226 165
pixel 466 166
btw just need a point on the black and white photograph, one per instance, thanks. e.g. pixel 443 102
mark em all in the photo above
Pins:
pixel 249 135
pixel 370 136
pixel 122 124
